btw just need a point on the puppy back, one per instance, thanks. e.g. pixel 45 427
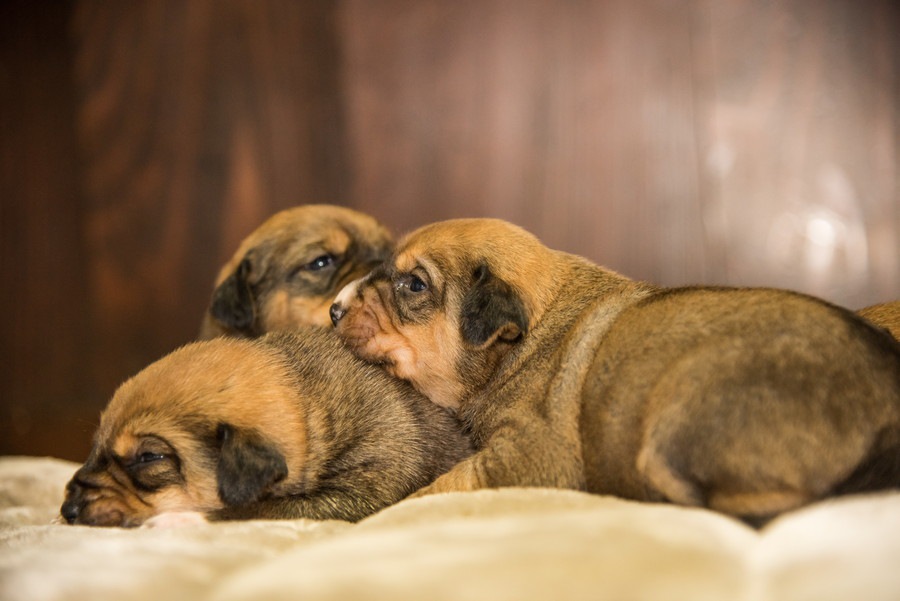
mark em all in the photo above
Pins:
pixel 363 419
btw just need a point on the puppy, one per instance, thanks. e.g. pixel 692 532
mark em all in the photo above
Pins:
pixel 289 425
pixel 747 401
pixel 886 315
pixel 287 272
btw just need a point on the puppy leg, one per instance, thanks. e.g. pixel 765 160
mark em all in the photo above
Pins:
pixel 527 453
pixel 679 489
pixel 675 487
pixel 359 500
pixel 463 477
pixel 724 438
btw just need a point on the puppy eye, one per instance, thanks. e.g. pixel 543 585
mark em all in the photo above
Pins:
pixel 148 457
pixel 412 283
pixel 319 263
pixel 417 285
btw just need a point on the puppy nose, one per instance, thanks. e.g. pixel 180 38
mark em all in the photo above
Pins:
pixel 336 312
pixel 69 511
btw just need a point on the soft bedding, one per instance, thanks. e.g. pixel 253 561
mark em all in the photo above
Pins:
pixel 516 544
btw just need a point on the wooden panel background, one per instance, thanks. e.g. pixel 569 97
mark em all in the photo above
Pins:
pixel 743 142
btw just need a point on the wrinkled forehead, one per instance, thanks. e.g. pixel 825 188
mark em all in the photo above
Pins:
pixel 296 230
pixel 301 245
pixel 310 219
pixel 212 378
pixel 302 230
pixel 175 431
pixel 142 407
pixel 462 244
pixel 433 259
pixel 445 243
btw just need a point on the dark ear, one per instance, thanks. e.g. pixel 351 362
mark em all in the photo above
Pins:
pixel 248 466
pixel 492 310
pixel 232 302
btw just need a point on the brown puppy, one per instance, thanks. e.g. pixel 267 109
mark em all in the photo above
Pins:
pixel 287 272
pixel 886 315
pixel 289 425
pixel 748 401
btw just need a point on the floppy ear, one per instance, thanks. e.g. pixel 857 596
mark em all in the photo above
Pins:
pixel 492 310
pixel 232 302
pixel 248 466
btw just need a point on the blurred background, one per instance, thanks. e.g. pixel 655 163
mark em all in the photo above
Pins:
pixel 742 142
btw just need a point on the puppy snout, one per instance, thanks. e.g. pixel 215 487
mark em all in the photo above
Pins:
pixel 70 510
pixel 342 301
pixel 73 503
pixel 337 312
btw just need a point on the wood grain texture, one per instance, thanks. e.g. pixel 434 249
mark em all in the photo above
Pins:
pixel 44 406
pixel 743 143
pixel 799 132
pixel 572 119
pixel 198 120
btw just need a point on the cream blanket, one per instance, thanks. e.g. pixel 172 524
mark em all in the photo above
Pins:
pixel 516 544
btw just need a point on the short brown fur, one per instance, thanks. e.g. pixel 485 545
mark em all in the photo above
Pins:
pixel 289 425
pixel 274 281
pixel 748 401
pixel 885 315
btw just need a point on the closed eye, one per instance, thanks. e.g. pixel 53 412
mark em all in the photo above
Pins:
pixel 151 471
pixel 151 451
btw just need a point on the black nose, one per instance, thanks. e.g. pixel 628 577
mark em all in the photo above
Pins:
pixel 69 511
pixel 336 312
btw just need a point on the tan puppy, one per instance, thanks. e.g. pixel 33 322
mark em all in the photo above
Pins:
pixel 748 401
pixel 287 272
pixel 289 425
pixel 886 315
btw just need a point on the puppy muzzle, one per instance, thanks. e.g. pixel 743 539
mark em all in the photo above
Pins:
pixel 73 507
pixel 342 300
pixel 336 312
pixel 70 510
pixel 92 505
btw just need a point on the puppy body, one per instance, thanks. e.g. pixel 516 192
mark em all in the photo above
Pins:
pixel 748 401
pixel 287 272
pixel 287 426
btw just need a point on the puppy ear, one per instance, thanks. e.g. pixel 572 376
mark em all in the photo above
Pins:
pixel 232 302
pixel 492 310
pixel 248 466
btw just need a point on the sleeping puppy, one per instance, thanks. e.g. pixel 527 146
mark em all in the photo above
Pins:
pixel 289 425
pixel 287 272
pixel 747 401
pixel 886 315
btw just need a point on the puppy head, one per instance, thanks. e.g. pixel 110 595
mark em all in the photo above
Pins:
pixel 455 297
pixel 213 424
pixel 287 272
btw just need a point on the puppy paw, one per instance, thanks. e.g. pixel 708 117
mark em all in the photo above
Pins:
pixel 176 519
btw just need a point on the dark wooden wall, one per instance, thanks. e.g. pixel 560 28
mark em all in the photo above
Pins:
pixel 742 142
